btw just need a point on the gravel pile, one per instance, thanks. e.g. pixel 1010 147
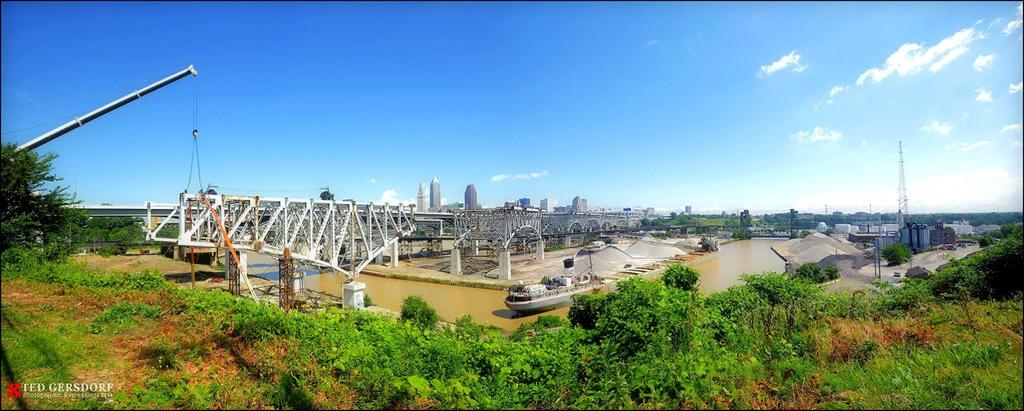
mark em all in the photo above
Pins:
pixel 814 248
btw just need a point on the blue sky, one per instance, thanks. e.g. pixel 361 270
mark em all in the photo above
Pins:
pixel 719 106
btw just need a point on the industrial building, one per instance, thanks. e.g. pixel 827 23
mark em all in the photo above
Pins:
pixel 870 238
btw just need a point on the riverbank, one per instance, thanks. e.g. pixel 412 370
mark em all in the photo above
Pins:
pixel 163 347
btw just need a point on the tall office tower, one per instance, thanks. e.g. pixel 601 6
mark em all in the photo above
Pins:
pixel 435 195
pixel 689 210
pixel 524 202
pixel 583 205
pixel 544 205
pixel 470 202
pixel 421 198
pixel 576 204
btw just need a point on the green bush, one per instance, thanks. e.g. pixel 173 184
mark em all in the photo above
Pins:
pixel 109 250
pixel 585 310
pixel 681 277
pixel 416 310
pixel 550 321
pixel 896 254
pixel 986 241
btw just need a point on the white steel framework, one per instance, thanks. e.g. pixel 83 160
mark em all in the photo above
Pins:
pixel 344 236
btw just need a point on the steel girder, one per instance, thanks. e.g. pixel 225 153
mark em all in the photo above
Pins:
pixel 501 225
pixel 344 236
pixel 568 223
pixel 497 225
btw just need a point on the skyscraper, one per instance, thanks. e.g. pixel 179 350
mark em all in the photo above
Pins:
pixel 421 198
pixel 435 195
pixel 471 203
pixel 576 204
pixel 545 205
pixel 524 202
pixel 689 210
pixel 583 205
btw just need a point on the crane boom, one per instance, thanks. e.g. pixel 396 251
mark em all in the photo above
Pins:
pixel 80 121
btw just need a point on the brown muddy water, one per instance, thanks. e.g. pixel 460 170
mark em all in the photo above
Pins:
pixel 718 272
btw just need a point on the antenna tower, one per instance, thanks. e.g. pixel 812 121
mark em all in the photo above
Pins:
pixel 902 213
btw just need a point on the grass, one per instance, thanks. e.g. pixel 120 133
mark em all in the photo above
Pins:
pixel 166 347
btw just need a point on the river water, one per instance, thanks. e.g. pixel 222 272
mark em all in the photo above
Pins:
pixel 723 269
pixel 718 271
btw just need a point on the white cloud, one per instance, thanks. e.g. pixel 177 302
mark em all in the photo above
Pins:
pixel 1011 127
pixel 964 147
pixel 937 127
pixel 791 59
pixel 910 58
pixel 651 43
pixel 1014 88
pixel 983 62
pixel 959 190
pixel 816 135
pixel 984 95
pixel 1016 143
pixel 512 177
pixel 839 88
pixel 389 196
pixel 1014 24
pixel 372 180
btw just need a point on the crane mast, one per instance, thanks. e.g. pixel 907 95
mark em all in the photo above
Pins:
pixel 92 115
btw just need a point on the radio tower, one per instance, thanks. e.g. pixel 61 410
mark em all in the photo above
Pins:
pixel 902 213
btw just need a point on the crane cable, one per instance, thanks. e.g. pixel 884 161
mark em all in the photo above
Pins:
pixel 194 163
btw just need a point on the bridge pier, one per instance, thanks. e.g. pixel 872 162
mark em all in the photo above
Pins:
pixel 540 249
pixel 353 294
pixel 476 247
pixel 456 262
pixel 504 266
pixel 567 241
pixel 394 254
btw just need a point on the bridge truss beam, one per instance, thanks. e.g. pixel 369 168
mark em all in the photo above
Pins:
pixel 344 236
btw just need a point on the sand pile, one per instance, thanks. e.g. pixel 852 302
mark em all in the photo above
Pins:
pixel 814 248
pixel 653 249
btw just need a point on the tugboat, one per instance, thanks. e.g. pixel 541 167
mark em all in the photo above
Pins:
pixel 558 292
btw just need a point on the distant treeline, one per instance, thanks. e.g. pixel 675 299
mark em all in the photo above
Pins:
pixel 806 221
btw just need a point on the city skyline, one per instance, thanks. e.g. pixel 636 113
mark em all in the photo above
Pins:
pixel 799 122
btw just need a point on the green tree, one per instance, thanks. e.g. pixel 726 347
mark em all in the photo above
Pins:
pixel 416 310
pixel 812 273
pixel 585 310
pixel 680 276
pixel 832 272
pixel 985 241
pixel 34 213
pixel 896 254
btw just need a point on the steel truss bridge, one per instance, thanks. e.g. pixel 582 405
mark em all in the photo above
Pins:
pixel 347 236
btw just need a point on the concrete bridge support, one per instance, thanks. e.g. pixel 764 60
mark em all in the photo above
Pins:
pixel 504 265
pixel 353 295
pixel 456 263
pixel 567 241
pixel 476 247
pixel 394 254
pixel 540 249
